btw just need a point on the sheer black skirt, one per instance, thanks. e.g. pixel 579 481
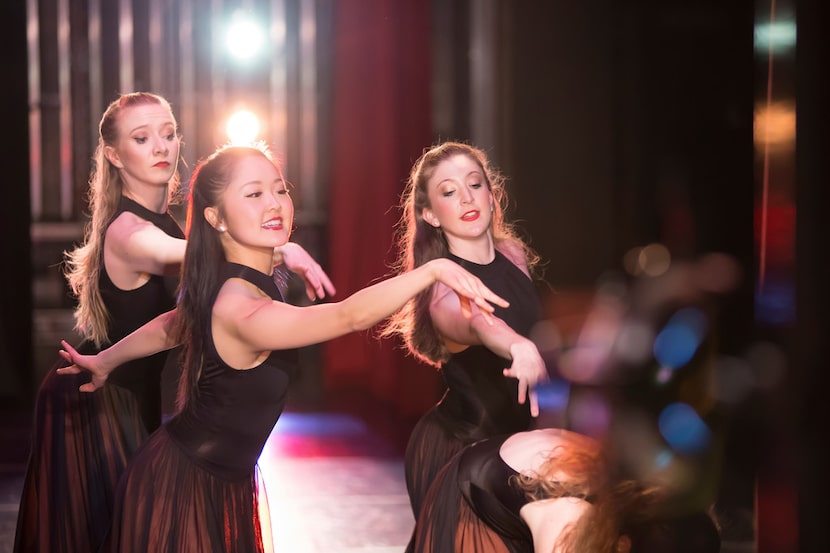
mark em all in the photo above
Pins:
pixel 432 443
pixel 168 504
pixel 81 444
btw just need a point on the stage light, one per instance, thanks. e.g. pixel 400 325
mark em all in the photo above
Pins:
pixel 683 429
pixel 242 127
pixel 679 340
pixel 775 124
pixel 779 37
pixel 245 38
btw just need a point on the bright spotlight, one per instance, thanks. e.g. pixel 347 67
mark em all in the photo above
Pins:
pixel 245 38
pixel 779 37
pixel 242 127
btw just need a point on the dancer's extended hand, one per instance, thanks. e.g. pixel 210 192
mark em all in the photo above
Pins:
pixel 468 287
pixel 529 368
pixel 299 261
pixel 89 363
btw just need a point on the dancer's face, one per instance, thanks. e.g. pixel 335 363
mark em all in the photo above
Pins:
pixel 147 149
pixel 460 200
pixel 257 210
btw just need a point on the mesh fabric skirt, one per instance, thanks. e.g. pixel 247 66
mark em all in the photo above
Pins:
pixel 431 445
pixel 81 444
pixel 168 504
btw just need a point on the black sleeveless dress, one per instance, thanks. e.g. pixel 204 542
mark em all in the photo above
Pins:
pixel 474 505
pixel 479 401
pixel 82 442
pixel 193 484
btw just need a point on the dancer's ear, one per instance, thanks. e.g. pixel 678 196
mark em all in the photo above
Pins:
pixel 212 217
pixel 112 156
pixel 430 217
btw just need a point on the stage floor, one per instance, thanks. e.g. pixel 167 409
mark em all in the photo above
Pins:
pixel 334 484
pixel 334 480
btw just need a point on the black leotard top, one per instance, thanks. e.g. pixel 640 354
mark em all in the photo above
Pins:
pixel 480 401
pixel 130 309
pixel 225 424
pixel 486 483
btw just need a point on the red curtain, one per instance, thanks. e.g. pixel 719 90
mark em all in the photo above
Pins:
pixel 381 124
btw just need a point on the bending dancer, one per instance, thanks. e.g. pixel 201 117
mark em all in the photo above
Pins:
pixel 453 208
pixel 192 486
pixel 551 490
pixel 123 275
pixel 639 490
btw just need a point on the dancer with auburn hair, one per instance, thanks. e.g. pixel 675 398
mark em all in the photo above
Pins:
pixel 453 207
pixel 641 484
pixel 555 491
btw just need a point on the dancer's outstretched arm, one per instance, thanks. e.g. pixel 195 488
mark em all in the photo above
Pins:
pixel 147 340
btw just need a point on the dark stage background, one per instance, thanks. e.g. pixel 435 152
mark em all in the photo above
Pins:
pixel 619 124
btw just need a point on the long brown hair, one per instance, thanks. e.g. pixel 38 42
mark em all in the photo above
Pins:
pixel 82 265
pixel 419 242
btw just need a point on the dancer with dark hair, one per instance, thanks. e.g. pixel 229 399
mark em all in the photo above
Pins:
pixel 193 484
pixel 124 274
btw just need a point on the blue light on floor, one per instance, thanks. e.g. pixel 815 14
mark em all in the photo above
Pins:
pixel 319 424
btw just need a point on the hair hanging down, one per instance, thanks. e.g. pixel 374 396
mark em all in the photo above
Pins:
pixel 204 254
pixel 619 504
pixel 639 509
pixel 419 242
pixel 82 266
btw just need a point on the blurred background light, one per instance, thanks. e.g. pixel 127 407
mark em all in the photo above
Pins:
pixel 590 413
pixel 664 375
pixel 683 429
pixel 652 260
pixel 634 344
pixel 553 395
pixel 677 343
pixel 717 272
pixel 245 37
pixel 547 337
pixel 775 124
pixel 242 127
pixel 778 36
pixel 775 303
pixel 663 459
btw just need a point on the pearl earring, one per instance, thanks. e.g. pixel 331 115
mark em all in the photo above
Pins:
pixel 221 228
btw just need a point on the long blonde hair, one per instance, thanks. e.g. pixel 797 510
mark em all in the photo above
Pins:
pixel 419 242
pixel 82 265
